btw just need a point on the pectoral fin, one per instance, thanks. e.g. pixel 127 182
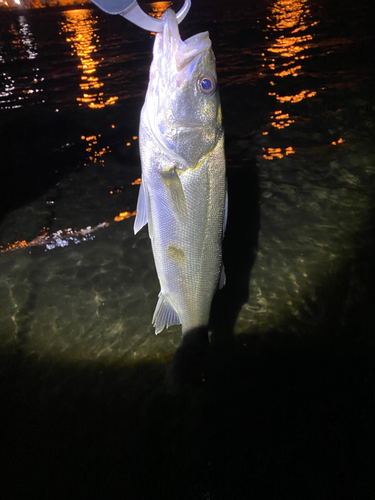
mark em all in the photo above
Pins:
pixel 175 193
pixel 141 218
pixel 164 315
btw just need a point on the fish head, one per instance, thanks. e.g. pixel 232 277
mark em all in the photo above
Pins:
pixel 182 103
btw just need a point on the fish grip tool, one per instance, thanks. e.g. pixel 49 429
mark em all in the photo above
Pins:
pixel 131 10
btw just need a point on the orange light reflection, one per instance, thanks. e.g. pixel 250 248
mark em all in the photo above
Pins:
pixel 158 8
pixel 125 215
pixel 283 120
pixel 294 98
pixel 95 152
pixel 339 141
pixel 272 153
pixel 289 20
pixel 81 30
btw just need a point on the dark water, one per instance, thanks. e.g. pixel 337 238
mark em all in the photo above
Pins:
pixel 282 404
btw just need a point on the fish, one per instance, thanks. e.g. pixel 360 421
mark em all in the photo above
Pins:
pixel 183 195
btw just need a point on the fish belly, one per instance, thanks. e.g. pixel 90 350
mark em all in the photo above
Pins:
pixel 187 250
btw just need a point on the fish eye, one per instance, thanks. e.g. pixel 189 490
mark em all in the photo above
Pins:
pixel 206 84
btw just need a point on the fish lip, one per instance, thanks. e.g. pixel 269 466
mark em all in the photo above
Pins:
pixel 198 37
pixel 192 49
pixel 174 48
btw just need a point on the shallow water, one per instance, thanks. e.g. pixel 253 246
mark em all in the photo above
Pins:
pixel 78 289
pixel 300 125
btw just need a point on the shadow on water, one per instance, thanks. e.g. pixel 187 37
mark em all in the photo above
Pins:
pixel 279 416
pixel 292 415
pixel 239 250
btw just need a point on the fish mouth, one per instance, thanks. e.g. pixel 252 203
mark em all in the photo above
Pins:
pixel 193 48
pixel 200 39
pixel 183 52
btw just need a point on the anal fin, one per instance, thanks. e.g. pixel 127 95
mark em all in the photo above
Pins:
pixel 164 315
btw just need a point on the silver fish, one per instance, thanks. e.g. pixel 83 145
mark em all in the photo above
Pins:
pixel 183 190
